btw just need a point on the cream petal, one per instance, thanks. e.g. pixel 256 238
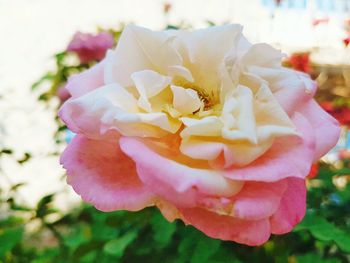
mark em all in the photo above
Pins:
pixel 180 71
pixel 238 154
pixel 113 108
pixel 271 119
pixel 291 88
pixel 205 50
pixel 140 124
pixel 207 126
pixel 139 49
pixel 149 84
pixel 185 101
pixel 230 70
pixel 83 114
pixel 262 55
pixel 242 109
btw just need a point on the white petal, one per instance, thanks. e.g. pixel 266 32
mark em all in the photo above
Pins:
pixel 271 119
pixel 180 71
pixel 241 107
pixel 139 49
pixel 185 101
pixel 204 53
pixel 262 55
pixel 208 126
pixel 149 84
pixel 239 154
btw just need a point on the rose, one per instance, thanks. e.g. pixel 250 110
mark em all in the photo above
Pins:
pixel 204 125
pixel 90 47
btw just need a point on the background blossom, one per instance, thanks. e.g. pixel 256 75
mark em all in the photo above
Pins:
pixel 91 47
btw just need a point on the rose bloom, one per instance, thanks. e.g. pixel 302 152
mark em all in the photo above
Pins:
pixel 204 125
pixel 90 47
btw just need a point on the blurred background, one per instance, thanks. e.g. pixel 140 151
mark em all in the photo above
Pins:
pixel 42 220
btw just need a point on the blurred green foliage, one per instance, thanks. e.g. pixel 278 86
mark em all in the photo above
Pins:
pixel 44 234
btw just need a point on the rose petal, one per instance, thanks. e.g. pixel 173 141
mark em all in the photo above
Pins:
pixel 139 49
pixel 149 84
pixel 113 108
pixel 185 101
pixel 86 81
pixel 251 233
pixel 289 156
pixel 325 127
pixel 292 208
pixel 291 88
pixel 83 114
pixel 263 55
pixel 202 55
pixel 174 181
pixel 104 176
pixel 239 154
pixel 258 200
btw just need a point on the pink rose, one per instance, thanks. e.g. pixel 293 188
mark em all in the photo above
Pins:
pixel 91 47
pixel 204 125
pixel 62 93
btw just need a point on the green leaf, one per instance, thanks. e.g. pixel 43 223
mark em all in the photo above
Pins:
pixel 313 258
pixel 205 248
pixel 6 151
pixel 224 255
pixel 78 235
pixel 16 186
pixel 85 249
pixel 117 246
pixel 9 238
pixel 47 77
pixel 43 207
pixel 162 229
pixel 25 158
pixel 325 231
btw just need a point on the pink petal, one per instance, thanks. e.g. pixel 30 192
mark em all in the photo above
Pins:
pixel 292 208
pixel 173 181
pixel 104 176
pixel 83 115
pixel 252 233
pixel 325 127
pixel 86 81
pixel 258 200
pixel 291 88
pixel 168 210
pixel 288 157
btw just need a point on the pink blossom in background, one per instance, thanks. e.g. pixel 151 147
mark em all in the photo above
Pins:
pixel 204 125
pixel 62 93
pixel 90 47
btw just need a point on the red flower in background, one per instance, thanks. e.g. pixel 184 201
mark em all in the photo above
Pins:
pixel 342 114
pixel 346 41
pixel 313 171
pixel 300 61
pixel 90 47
